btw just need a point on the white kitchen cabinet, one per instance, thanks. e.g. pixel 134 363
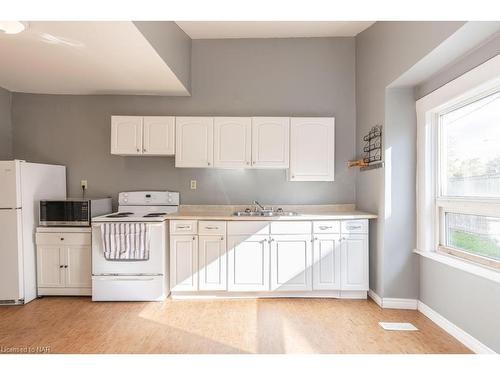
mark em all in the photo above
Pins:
pixel 312 149
pixel 50 267
pixel 126 135
pixel 159 135
pixel 291 261
pixel 232 142
pixel 143 135
pixel 212 262
pixel 184 263
pixel 194 142
pixel 326 261
pixel 78 267
pixel 354 262
pixel 248 263
pixel 64 263
pixel 270 142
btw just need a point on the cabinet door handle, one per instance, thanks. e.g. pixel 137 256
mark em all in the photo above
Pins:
pixel 62 238
pixel 65 266
pixel 222 238
pixel 208 163
pixel 271 240
pixel 264 240
pixel 138 150
pixel 194 238
pixel 61 266
pixel 144 150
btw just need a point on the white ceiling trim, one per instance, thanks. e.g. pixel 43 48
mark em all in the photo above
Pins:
pixel 271 29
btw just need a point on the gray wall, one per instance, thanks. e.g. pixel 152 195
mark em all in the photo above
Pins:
pixel 275 77
pixel 471 302
pixel 172 44
pixel 5 125
pixel 384 52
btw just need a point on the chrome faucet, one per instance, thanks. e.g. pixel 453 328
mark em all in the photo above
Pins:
pixel 259 205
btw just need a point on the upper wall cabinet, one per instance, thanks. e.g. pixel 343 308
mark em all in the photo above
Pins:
pixel 270 142
pixel 232 142
pixel 194 142
pixel 142 135
pixel 126 135
pixel 312 149
pixel 159 135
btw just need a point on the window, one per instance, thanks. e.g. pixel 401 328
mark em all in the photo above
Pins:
pixel 468 178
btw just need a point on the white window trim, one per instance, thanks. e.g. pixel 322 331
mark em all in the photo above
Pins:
pixel 476 82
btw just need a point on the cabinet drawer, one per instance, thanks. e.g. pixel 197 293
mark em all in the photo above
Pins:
pixel 212 227
pixel 247 227
pixel 291 227
pixel 63 238
pixel 326 227
pixel 354 226
pixel 183 227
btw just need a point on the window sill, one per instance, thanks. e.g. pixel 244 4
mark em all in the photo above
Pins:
pixel 461 264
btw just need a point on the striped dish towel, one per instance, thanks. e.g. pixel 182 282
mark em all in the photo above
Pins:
pixel 125 241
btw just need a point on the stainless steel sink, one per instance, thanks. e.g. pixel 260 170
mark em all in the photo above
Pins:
pixel 264 213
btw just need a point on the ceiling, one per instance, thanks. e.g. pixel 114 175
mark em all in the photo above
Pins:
pixel 271 29
pixel 84 58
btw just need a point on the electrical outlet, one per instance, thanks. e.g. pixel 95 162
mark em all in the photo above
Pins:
pixel 193 184
pixel 83 184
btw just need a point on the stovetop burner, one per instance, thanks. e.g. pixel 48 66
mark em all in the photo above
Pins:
pixel 121 214
pixel 155 214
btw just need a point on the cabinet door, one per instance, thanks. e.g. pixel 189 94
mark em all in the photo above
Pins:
pixel 326 262
pixel 212 260
pixel 270 142
pixel 77 265
pixel 126 135
pixel 159 135
pixel 312 144
pixel 232 142
pixel 248 263
pixel 354 262
pixel 194 138
pixel 50 267
pixel 291 260
pixel 184 263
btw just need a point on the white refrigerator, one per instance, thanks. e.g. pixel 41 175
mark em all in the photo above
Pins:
pixel 22 186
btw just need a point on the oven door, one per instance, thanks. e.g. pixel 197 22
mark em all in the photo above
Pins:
pixel 64 213
pixel 155 265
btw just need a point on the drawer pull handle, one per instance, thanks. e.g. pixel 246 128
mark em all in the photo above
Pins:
pixel 351 227
pixel 325 227
pixel 62 238
pixel 184 227
pixel 209 227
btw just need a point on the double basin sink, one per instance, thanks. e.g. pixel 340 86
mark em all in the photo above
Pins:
pixel 264 213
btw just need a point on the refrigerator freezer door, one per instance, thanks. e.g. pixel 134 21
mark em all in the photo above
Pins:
pixel 11 256
pixel 10 193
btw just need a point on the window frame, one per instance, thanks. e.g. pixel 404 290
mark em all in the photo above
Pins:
pixel 432 204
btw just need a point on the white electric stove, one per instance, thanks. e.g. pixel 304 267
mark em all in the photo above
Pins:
pixel 135 280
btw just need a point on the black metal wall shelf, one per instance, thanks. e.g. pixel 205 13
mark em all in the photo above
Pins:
pixel 373 148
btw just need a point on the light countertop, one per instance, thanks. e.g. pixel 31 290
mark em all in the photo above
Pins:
pixel 305 213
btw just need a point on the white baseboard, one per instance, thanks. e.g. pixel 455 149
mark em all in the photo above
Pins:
pixel 472 343
pixel 393 303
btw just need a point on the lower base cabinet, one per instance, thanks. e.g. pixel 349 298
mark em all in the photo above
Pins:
pixel 64 269
pixel 326 262
pixel 248 263
pixel 291 261
pixel 212 263
pixel 252 259
pixel 184 263
pixel 354 262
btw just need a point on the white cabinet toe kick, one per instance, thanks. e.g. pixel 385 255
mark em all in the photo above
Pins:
pixel 266 259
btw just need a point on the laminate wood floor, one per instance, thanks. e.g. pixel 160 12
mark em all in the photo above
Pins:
pixel 77 325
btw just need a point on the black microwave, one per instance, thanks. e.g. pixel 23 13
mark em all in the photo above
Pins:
pixel 72 212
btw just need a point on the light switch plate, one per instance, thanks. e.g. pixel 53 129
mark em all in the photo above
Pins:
pixel 193 184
